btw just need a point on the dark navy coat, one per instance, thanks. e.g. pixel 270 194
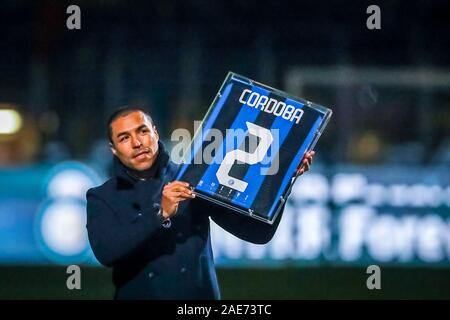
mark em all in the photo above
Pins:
pixel 151 261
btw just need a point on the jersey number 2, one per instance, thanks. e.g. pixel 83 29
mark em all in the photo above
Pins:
pixel 256 156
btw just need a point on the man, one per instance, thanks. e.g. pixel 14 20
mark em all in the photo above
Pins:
pixel 152 230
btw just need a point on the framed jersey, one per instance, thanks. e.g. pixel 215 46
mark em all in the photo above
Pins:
pixel 251 140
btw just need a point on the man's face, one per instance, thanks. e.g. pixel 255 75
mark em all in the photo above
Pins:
pixel 135 141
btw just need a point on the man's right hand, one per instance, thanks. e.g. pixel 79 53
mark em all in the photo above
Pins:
pixel 173 193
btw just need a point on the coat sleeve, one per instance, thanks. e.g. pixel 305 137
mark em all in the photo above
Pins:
pixel 111 240
pixel 241 226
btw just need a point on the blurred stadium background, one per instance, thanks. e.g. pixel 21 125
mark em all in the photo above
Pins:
pixel 379 191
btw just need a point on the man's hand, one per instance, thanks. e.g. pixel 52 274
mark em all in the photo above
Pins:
pixel 305 164
pixel 173 193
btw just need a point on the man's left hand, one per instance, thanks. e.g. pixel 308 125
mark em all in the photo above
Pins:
pixel 305 164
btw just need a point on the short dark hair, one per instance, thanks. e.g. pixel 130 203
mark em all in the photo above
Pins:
pixel 123 111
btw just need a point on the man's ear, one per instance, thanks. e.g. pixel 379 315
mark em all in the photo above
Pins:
pixel 156 132
pixel 113 149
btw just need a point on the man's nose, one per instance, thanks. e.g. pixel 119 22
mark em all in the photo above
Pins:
pixel 136 143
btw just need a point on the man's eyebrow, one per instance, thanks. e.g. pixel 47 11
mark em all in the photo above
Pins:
pixel 137 129
pixel 121 134
pixel 141 127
